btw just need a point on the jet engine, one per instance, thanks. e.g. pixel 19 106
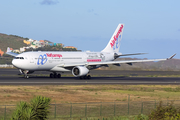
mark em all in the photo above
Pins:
pixel 80 71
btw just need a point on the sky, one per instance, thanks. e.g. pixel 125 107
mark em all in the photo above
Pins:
pixel 151 26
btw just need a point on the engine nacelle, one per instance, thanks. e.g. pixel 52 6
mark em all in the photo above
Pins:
pixel 80 71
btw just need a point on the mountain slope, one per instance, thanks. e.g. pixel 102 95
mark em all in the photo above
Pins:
pixel 11 41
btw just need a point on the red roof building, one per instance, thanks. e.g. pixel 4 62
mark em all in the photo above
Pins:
pixel 1 53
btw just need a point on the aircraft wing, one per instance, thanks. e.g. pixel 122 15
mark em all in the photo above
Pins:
pixel 11 53
pixel 111 62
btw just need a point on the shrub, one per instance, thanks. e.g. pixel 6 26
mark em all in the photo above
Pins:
pixel 40 105
pixel 165 112
pixel 37 109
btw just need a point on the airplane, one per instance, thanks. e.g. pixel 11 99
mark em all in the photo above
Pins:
pixel 79 63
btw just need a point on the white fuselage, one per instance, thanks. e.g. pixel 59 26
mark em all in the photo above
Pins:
pixel 49 61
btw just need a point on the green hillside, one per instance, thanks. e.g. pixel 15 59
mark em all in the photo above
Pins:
pixel 16 42
pixel 11 41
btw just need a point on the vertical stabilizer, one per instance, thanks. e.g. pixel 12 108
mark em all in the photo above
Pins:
pixel 8 49
pixel 114 43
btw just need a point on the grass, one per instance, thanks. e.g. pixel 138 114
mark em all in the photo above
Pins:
pixel 64 95
pixel 100 118
pixel 89 93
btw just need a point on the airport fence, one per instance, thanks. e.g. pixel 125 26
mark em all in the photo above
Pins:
pixel 99 109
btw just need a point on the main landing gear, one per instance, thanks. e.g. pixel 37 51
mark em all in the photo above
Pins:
pixel 26 76
pixel 85 77
pixel 55 75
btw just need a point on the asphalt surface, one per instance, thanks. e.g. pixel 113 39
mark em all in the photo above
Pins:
pixel 11 77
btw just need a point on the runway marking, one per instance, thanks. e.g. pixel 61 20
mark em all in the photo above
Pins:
pixel 89 82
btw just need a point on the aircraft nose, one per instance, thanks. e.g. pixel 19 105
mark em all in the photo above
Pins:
pixel 15 63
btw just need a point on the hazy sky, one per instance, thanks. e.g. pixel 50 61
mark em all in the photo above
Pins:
pixel 151 26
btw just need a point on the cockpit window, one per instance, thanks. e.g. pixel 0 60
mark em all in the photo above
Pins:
pixel 16 57
pixel 19 58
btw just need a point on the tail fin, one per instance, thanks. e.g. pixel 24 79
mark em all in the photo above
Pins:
pixel 8 49
pixel 114 43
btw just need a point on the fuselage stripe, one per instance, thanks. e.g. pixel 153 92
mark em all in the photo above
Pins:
pixel 94 60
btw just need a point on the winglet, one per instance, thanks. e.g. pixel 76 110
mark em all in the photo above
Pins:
pixel 171 57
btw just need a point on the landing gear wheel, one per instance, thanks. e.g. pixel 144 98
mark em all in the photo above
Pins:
pixel 88 77
pixel 59 75
pixel 51 75
pixel 26 76
pixel 55 75
pixel 85 77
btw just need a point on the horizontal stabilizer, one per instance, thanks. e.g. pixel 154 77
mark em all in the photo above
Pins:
pixel 131 54
pixel 119 55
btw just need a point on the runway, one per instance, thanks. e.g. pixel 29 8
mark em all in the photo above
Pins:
pixel 11 77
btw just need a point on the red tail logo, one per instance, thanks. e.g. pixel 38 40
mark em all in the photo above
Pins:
pixel 116 36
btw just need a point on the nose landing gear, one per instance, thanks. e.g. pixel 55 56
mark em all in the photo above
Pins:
pixel 26 76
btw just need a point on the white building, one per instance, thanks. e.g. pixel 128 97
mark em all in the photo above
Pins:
pixel 30 40
pixel 22 49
